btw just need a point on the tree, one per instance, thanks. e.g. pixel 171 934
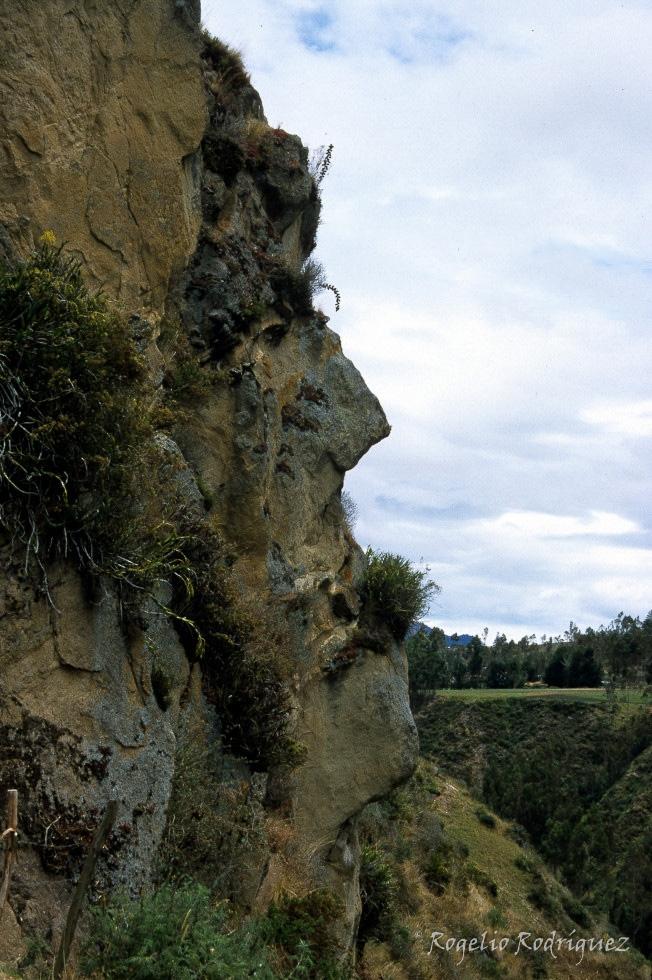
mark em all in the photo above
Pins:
pixel 427 664
pixel 555 672
pixel 584 670
pixel 458 670
pixel 531 666
pixel 499 674
pixel 476 661
pixel 624 648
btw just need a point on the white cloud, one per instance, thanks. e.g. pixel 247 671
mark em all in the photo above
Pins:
pixel 629 419
pixel 526 525
pixel 485 219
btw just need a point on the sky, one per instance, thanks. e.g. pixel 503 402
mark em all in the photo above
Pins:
pixel 486 220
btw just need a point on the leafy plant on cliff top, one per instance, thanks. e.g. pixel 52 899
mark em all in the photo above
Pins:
pixel 230 74
pixel 395 591
pixel 299 286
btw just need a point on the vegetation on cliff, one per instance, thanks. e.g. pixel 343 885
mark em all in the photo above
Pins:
pixel 73 417
pixel 395 591
pixel 176 932
pixel 76 438
pixel 183 933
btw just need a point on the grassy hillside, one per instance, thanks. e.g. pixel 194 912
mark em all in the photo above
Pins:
pixel 614 840
pixel 437 861
pixel 576 775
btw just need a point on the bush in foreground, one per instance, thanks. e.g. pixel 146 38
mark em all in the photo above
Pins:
pixel 181 933
pixel 173 934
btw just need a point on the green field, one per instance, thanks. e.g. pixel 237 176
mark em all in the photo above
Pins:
pixel 590 695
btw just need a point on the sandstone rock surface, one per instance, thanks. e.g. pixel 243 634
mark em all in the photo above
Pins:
pixel 101 114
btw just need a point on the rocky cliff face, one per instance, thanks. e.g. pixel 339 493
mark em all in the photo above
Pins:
pixel 147 151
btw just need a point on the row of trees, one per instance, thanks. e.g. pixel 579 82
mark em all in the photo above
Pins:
pixel 617 654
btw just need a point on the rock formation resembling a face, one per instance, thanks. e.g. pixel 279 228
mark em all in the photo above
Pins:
pixel 108 145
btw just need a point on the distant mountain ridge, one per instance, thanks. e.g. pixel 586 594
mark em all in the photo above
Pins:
pixel 455 640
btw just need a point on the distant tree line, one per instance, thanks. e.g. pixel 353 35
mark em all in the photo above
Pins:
pixel 616 655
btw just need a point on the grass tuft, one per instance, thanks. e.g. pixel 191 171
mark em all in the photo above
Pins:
pixel 395 591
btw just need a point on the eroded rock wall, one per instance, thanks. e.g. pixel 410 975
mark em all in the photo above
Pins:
pixel 101 114
pixel 162 174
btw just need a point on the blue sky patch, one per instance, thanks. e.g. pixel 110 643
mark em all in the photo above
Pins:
pixel 314 30
pixel 433 39
pixel 598 256
pixel 457 511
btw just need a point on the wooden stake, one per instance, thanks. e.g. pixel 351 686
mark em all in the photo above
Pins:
pixel 81 888
pixel 10 834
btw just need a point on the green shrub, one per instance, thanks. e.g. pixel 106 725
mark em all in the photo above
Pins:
pixel 437 870
pixel 395 591
pixel 573 908
pixel 303 930
pixel 221 834
pixel 38 956
pixel 482 879
pixel 518 834
pixel 490 969
pixel 525 863
pixel 73 419
pixel 485 817
pixel 378 891
pixel 400 942
pixel 174 934
pixel 403 849
pixel 185 381
pixel 76 433
pixel 397 806
pixel 542 896
pixel 496 918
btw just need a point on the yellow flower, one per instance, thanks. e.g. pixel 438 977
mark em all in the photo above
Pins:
pixel 48 238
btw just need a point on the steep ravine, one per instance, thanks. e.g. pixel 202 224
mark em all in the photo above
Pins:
pixel 148 154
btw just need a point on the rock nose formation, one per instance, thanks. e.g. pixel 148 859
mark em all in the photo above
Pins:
pixel 146 150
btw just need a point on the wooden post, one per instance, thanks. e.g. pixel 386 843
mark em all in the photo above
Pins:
pixel 81 888
pixel 10 834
